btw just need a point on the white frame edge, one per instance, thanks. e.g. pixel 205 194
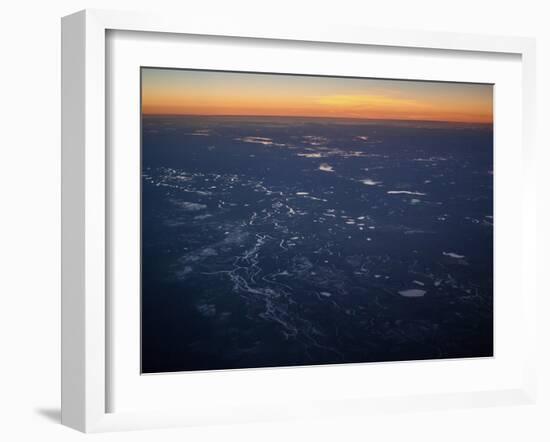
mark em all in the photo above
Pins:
pixel 83 222
pixel 84 199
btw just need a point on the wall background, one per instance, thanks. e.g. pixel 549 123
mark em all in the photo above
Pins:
pixel 30 216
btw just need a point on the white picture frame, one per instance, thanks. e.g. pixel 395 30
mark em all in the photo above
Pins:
pixel 85 210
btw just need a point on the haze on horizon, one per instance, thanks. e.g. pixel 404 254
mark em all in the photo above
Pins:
pixel 195 92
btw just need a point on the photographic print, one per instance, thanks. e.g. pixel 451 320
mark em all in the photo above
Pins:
pixel 295 220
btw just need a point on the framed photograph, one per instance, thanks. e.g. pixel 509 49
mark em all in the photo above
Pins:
pixel 262 223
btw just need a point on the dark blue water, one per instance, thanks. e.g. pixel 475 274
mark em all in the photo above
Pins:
pixel 278 241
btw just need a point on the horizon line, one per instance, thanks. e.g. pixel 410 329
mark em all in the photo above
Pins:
pixel 145 114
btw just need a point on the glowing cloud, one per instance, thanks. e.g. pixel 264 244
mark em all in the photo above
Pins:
pixel 171 91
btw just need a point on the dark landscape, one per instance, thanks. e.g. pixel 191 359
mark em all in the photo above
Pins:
pixel 275 241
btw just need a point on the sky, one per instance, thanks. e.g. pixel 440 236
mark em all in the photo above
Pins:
pixel 195 92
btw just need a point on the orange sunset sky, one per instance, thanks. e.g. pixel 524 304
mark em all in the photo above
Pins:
pixel 193 92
